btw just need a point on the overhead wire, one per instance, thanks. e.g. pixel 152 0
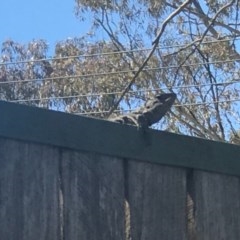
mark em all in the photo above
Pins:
pixel 114 73
pixel 119 72
pixel 175 105
pixel 113 52
pixel 131 92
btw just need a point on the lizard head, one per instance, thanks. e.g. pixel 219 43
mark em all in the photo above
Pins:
pixel 166 97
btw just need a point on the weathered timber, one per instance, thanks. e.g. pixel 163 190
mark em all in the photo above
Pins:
pixel 217 206
pixel 93 196
pixel 156 212
pixel 29 206
pixel 104 137
pixel 69 177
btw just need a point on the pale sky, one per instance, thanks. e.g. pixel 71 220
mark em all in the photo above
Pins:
pixel 51 20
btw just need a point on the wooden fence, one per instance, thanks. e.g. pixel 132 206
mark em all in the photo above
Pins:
pixel 65 177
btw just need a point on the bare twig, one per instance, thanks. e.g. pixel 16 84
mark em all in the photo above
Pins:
pixel 207 19
pixel 155 44
pixel 215 94
pixel 199 41
pixel 110 32
pixel 197 128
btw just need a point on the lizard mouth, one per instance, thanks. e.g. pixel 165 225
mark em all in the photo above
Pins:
pixel 166 97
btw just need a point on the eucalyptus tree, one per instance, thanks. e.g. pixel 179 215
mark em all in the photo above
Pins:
pixel 197 57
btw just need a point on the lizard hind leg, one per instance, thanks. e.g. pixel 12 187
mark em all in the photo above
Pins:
pixel 132 120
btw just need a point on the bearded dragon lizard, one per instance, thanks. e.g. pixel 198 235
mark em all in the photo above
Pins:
pixel 152 111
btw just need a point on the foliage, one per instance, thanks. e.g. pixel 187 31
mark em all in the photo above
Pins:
pixel 197 58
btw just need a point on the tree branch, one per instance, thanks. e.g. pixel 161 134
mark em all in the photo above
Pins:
pixel 214 94
pixel 207 19
pixel 199 41
pixel 155 44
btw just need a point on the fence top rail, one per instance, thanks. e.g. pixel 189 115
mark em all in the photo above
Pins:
pixel 104 137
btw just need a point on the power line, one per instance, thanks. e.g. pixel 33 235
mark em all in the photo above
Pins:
pixel 131 92
pixel 176 105
pixel 113 53
pixel 117 72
